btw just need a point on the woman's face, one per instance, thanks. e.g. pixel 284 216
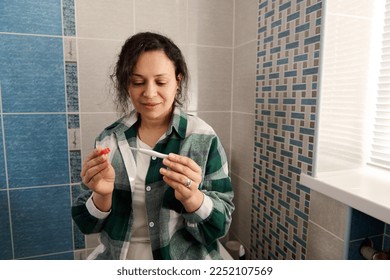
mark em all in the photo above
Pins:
pixel 153 86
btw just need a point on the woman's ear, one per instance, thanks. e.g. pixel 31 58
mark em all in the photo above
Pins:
pixel 178 79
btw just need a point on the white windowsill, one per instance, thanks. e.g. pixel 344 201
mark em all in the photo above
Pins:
pixel 366 189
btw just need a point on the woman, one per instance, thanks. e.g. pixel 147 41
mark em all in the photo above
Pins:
pixel 147 207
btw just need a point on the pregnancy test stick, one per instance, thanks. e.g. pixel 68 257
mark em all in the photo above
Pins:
pixel 149 152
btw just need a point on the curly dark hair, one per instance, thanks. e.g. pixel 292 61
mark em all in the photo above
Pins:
pixel 131 50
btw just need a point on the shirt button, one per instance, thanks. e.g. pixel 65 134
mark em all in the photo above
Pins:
pixel 154 158
pixel 148 188
pixel 151 224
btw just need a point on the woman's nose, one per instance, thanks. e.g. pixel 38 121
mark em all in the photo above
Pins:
pixel 150 90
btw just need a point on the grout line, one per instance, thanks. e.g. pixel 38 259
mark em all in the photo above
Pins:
pixel 67 112
pixel 232 87
pixel 34 35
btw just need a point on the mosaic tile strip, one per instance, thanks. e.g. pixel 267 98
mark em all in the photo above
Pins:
pixel 75 166
pixel 78 236
pixel 70 50
pixel 286 97
pixel 69 23
pixel 72 87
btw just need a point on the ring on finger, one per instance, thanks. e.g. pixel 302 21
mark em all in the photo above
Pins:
pixel 188 183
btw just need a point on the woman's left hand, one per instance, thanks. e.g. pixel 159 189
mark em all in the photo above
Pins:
pixel 184 176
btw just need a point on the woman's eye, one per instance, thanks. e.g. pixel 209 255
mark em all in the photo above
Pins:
pixel 137 83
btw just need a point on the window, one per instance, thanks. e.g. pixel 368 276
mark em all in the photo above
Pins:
pixel 354 106
pixel 380 149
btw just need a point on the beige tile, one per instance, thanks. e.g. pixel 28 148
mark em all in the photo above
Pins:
pixel 322 245
pixel 329 213
pixel 70 49
pixel 242 146
pixel 241 222
pixel 104 19
pixel 210 22
pixel 245 21
pixel 211 78
pixel 164 16
pixel 244 78
pixel 91 125
pixel 97 59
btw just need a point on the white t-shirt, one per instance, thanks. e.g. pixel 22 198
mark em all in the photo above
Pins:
pixel 140 247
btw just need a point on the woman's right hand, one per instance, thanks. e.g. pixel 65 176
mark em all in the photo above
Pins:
pixel 98 174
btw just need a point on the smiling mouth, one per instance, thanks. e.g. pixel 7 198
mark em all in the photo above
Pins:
pixel 150 105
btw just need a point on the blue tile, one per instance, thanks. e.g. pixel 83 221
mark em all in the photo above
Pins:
pixel 31 17
pixel 37 151
pixel 41 221
pixel 387 229
pixel 386 243
pixel 363 225
pixel 32 74
pixel 5 231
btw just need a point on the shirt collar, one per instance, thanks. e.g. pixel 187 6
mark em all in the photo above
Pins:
pixel 178 123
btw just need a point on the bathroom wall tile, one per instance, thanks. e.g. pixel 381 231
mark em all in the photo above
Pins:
pixel 68 15
pixel 241 220
pixel 73 121
pixel 288 51
pixel 78 236
pixel 171 15
pixel 363 225
pixel 244 83
pixel 91 126
pixel 210 70
pixel 31 17
pixel 386 242
pixel 37 151
pixel 104 19
pixel 329 213
pixel 210 22
pixel 220 122
pixel 70 49
pixel 41 221
pixel 5 230
pixel 32 66
pixel 74 141
pixel 75 166
pixel 97 59
pixel 72 94
pixel 245 21
pixel 242 145
pixel 322 245
pixel 387 229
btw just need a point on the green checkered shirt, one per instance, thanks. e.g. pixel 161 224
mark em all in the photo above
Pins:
pixel 174 233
